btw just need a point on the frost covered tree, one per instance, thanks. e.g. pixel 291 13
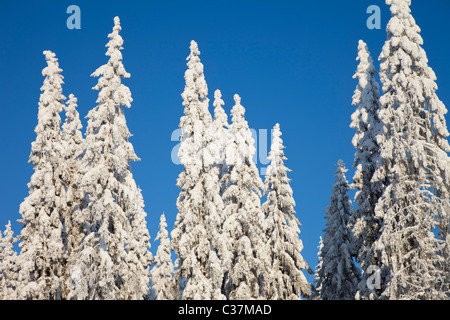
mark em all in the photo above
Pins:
pixel 367 124
pixel 318 270
pixel 415 164
pixel 139 258
pixel 216 136
pixel 338 276
pixel 43 247
pixel 71 134
pixel 282 231
pixel 199 269
pixel 103 265
pixel 219 131
pixel 72 142
pixel 162 281
pixel 248 274
pixel 8 265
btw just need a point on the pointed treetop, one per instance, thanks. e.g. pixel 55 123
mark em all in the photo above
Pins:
pixel 116 41
pixel 163 220
pixel 402 24
pixel 277 144
pixel 367 90
pixel 366 61
pixel 49 56
pixel 117 22
pixel 194 52
pixel 363 52
pixel 72 100
pixel 238 111
pixel 72 115
pixel 117 28
pixel 237 99
pixel 194 48
pixel 276 130
pixel 218 102
pixel 276 154
pixel 52 68
pixel 399 5
pixel 340 173
pixel 220 117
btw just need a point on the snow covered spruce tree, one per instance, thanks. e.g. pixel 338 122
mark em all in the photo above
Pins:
pixel 112 260
pixel 219 133
pixel 72 141
pixel 317 288
pixel 8 265
pixel 367 124
pixel 161 275
pixel 338 276
pixel 282 230
pixel 415 163
pixel 199 269
pixel 43 247
pixel 248 275
pixel 139 258
pixel 216 140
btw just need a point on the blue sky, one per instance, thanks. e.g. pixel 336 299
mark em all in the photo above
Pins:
pixel 292 62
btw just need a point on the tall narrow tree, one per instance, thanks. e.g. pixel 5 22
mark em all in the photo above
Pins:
pixel 100 264
pixel 415 164
pixel 220 255
pixel 163 285
pixel 282 230
pixel 72 141
pixel 43 257
pixel 199 201
pixel 139 258
pixel 8 264
pixel 368 126
pixel 249 275
pixel 220 134
pixel 338 276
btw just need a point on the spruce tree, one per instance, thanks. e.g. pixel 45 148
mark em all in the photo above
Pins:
pixel 368 126
pixel 282 231
pixel 413 260
pixel 220 134
pixel 72 142
pixel 198 272
pixel 220 256
pixel 139 258
pixel 43 252
pixel 248 274
pixel 8 265
pixel 317 272
pixel 338 276
pixel 162 281
pixel 100 264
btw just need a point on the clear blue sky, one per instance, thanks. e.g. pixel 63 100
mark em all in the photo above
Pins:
pixel 292 62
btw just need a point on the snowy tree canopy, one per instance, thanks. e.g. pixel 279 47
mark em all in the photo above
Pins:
pixel 220 133
pixel 248 274
pixel 43 258
pixel 338 276
pixel 199 271
pixel 282 229
pixel 8 265
pixel 368 126
pixel 72 141
pixel 414 150
pixel 162 281
pixel 84 232
pixel 111 214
